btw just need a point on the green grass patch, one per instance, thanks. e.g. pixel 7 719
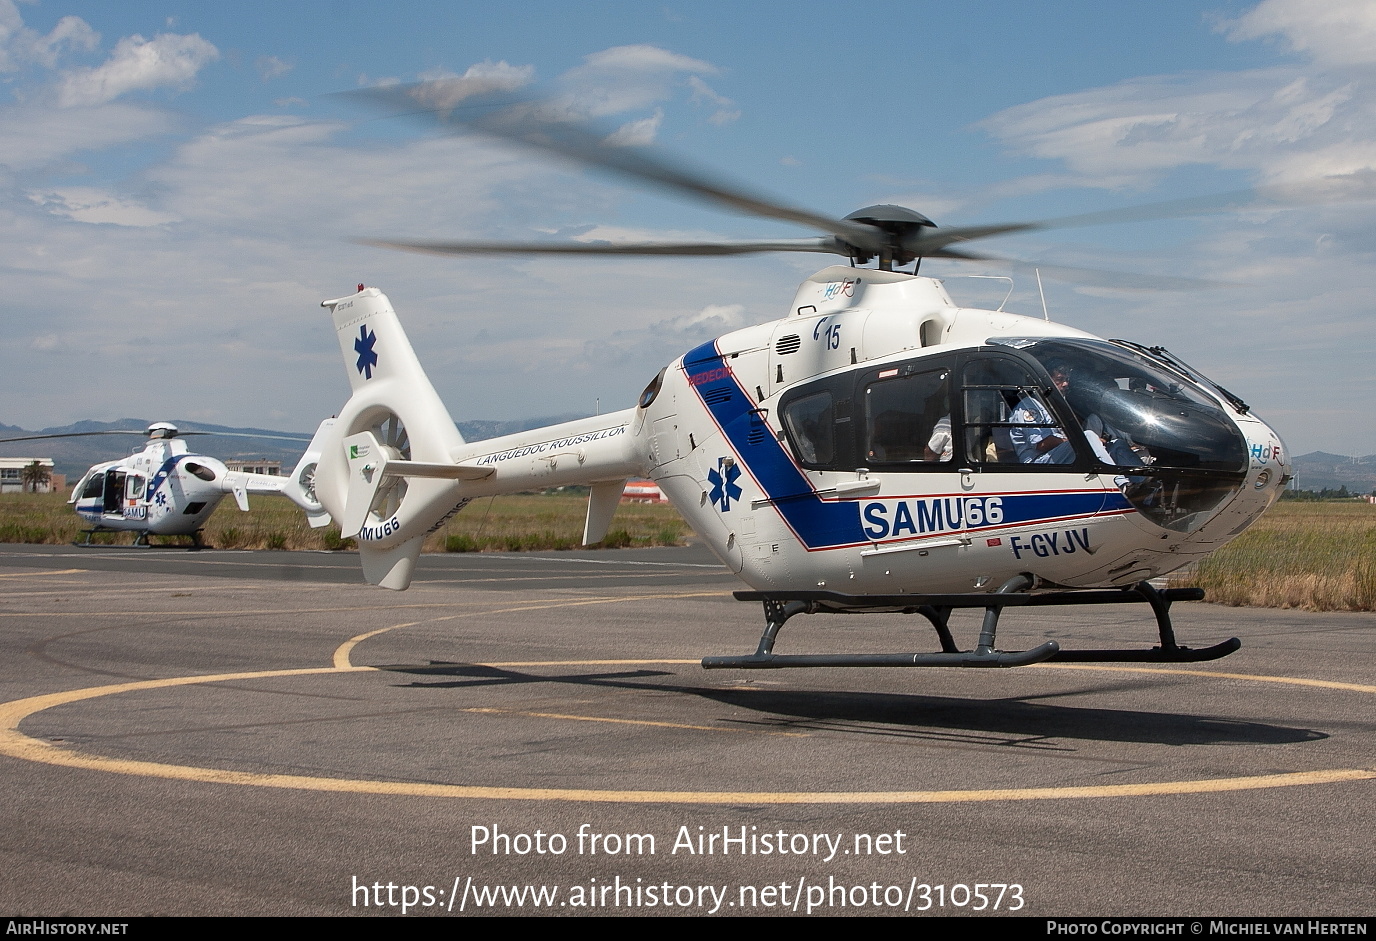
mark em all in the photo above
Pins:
pixel 516 523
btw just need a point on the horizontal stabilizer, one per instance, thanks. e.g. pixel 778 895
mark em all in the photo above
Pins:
pixel 394 468
pixel 603 499
pixel 366 458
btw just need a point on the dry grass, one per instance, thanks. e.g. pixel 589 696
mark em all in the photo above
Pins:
pixel 510 523
pixel 1313 556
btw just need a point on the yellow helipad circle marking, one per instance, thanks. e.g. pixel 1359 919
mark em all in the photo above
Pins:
pixel 17 745
pixel 41 572
pixel 1252 677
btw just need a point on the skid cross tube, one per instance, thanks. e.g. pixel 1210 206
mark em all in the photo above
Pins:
pixel 780 606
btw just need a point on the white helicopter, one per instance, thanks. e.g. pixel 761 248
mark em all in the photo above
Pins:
pixel 877 449
pixel 165 490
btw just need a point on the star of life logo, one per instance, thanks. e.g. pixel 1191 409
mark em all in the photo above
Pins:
pixel 723 480
pixel 367 356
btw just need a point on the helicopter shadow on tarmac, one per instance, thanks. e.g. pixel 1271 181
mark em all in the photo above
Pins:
pixel 1018 720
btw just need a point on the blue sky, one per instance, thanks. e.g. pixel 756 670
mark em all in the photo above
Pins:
pixel 179 186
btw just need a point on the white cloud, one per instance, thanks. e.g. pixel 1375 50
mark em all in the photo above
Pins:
pixel 637 133
pixel 718 317
pixel 1332 32
pixel 33 136
pixel 20 45
pixel 249 221
pixel 725 112
pixel 138 64
pixel 625 78
pixel 644 59
pixel 71 32
pixel 270 67
pixel 443 90
pixel 1276 122
pixel 88 204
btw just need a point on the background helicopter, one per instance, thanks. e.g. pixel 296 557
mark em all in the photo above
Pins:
pixel 878 448
pixel 165 490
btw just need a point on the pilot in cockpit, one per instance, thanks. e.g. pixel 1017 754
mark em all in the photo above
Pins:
pixel 1037 438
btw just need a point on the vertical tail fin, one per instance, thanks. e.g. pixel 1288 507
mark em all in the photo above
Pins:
pixel 395 410
pixel 300 488
pixel 392 467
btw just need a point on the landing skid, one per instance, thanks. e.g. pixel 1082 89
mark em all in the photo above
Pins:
pixel 780 606
pixel 140 540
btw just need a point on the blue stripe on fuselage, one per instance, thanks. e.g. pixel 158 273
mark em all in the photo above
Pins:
pixel 826 524
pixel 166 469
pixel 819 524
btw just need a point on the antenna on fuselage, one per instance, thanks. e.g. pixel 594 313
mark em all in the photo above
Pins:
pixel 1046 315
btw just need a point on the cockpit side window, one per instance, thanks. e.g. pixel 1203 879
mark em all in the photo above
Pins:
pixel 1008 417
pixel 809 421
pixel 817 423
pixel 95 487
pixel 908 417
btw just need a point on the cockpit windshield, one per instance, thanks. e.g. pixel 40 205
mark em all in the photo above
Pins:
pixel 1182 453
pixel 1120 394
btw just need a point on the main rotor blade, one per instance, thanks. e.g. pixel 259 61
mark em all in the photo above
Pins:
pixel 1092 277
pixel 1347 187
pixel 821 245
pixel 926 242
pixel 543 125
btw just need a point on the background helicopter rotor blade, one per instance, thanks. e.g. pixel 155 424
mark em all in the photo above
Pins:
pixel 541 124
pixel 823 245
pixel 143 433
pixel 77 434
pixel 243 434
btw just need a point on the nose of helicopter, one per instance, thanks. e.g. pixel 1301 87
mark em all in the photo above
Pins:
pixel 1268 471
pixel 1268 468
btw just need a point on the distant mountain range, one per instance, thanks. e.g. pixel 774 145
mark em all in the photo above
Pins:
pixel 1320 470
pixel 72 456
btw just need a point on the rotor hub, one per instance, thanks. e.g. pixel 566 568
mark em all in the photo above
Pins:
pixel 900 226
